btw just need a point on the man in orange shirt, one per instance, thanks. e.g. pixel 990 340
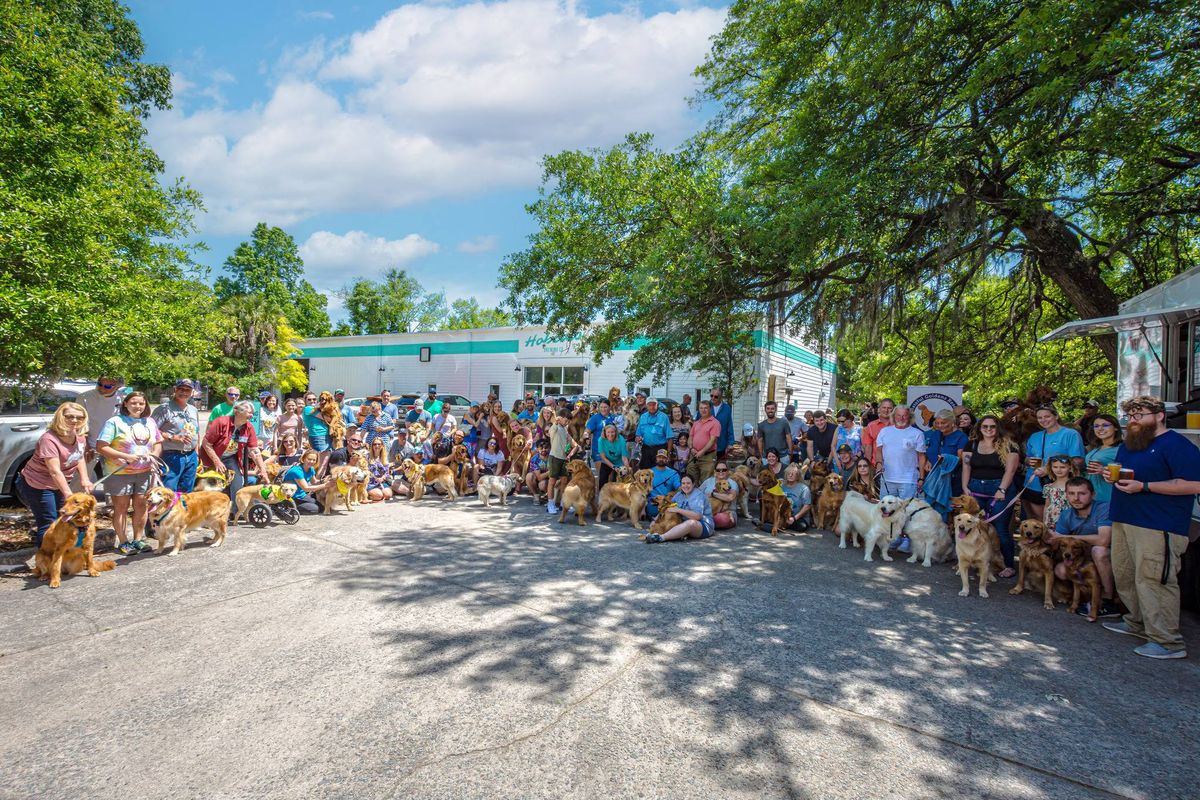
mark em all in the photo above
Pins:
pixel 871 431
pixel 702 442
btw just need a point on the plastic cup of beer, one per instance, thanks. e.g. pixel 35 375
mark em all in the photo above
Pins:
pixel 1125 474
pixel 1094 467
pixel 1114 472
pixel 1193 420
pixel 1034 462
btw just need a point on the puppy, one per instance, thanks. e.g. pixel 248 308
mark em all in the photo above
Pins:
pixel 174 515
pixel 722 486
pixel 1036 560
pixel 630 497
pixel 855 518
pixel 776 506
pixel 580 492
pixel 830 502
pixel 69 542
pixel 266 493
pixel 502 487
pixel 888 518
pixel 974 548
pixel 347 478
pixel 1082 574
pixel 741 476
pixel 925 530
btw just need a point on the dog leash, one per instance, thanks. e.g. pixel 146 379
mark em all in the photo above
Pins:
pixel 999 513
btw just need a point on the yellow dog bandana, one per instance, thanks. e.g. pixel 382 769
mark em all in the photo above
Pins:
pixel 776 490
pixel 343 487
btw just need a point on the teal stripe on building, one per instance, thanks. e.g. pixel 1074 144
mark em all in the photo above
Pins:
pixel 795 353
pixel 435 348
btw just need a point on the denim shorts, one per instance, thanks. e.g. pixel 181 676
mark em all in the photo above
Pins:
pixel 319 442
pixel 706 528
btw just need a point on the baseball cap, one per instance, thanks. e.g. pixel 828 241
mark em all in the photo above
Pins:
pixel 650 400
pixel 339 391
pixel 662 453
pixel 263 394
pixel 640 394
pixel 845 448
pixel 748 429
pixel 185 383
pixel 1091 404
pixel 1009 401
pixel 401 432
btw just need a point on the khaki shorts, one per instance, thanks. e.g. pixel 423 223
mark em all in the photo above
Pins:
pixel 128 485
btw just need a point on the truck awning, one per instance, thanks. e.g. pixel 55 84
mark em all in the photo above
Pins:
pixel 1122 322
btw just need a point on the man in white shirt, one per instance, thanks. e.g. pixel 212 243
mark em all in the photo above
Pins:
pixel 102 403
pixel 445 421
pixel 901 455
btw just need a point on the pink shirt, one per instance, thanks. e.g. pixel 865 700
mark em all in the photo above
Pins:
pixel 704 431
pixel 69 456
pixel 870 434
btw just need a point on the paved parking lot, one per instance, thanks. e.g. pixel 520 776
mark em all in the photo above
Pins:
pixel 442 650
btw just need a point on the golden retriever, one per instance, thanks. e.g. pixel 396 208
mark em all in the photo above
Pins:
pixel 460 459
pixel 68 544
pixel 437 475
pixel 829 504
pixel 1081 572
pixel 1036 560
pixel 721 486
pixel 173 515
pixel 344 487
pixel 519 453
pixel 776 506
pixel 580 492
pixel 630 497
pixel 974 547
pixel 265 493
pixel 328 410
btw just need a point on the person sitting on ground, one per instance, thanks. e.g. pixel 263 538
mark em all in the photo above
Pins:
pixel 304 477
pixel 863 479
pixel 612 454
pixel 490 459
pixel 691 504
pixel 663 483
pixel 404 447
pixel 772 463
pixel 379 472
pixel 800 496
pixel 725 519
pixel 1106 440
pixel 538 476
pixel 1086 519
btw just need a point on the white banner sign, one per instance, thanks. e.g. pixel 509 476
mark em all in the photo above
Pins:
pixel 925 401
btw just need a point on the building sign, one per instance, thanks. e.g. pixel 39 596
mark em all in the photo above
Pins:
pixel 925 401
pixel 544 345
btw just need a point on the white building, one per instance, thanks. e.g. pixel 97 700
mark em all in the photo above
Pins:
pixel 511 361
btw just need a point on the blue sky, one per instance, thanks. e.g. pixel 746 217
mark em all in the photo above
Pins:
pixel 387 134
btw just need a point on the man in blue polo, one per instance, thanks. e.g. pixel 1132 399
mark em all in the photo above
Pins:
pixel 653 431
pixel 1151 514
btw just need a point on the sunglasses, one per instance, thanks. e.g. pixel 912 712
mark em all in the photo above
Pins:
pixel 232 394
pixel 1060 459
pixel 73 418
pixel 722 469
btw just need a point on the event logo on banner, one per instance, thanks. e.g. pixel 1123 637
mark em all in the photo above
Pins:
pixel 925 401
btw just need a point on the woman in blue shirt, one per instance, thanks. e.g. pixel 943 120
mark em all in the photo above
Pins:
pixel 1106 432
pixel 304 476
pixel 692 504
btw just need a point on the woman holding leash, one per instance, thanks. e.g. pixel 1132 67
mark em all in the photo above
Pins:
pixel 131 444
pixel 44 483
pixel 989 473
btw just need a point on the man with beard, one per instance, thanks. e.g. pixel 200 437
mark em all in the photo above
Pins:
pixel 1151 513
pixel 820 438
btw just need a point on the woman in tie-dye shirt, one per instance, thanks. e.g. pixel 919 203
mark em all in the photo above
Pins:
pixel 130 442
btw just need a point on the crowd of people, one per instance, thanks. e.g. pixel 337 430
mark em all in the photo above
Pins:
pixel 1127 493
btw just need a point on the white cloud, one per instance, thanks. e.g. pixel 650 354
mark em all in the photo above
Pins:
pixel 480 244
pixel 332 260
pixel 437 101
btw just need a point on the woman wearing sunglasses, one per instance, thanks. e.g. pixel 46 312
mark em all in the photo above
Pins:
pixel 990 465
pixel 45 481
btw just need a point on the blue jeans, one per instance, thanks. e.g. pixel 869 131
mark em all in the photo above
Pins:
pixel 181 470
pixel 43 503
pixel 905 491
pixel 990 507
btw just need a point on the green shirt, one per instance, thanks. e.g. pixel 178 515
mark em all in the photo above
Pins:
pixel 221 410
pixel 433 407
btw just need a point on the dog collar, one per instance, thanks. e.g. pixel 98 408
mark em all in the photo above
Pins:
pixel 176 501
pixel 79 537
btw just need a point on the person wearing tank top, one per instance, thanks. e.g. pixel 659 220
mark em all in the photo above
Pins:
pixel 989 473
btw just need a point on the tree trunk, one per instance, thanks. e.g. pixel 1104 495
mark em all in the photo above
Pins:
pixel 1061 259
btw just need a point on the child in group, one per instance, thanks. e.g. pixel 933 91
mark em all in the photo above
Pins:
pixel 1061 470
pixel 681 452
pixel 539 470
pixel 562 447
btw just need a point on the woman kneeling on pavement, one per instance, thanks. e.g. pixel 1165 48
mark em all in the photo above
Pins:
pixel 692 505
pixel 304 477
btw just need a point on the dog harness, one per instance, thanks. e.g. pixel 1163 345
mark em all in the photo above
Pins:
pixel 269 493
pixel 177 501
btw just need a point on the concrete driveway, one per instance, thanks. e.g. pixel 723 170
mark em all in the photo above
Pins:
pixel 443 650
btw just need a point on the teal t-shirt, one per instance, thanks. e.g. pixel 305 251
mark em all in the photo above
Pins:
pixel 613 451
pixel 1105 455
pixel 312 420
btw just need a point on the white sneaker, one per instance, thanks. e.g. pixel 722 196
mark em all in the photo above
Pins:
pixel 551 508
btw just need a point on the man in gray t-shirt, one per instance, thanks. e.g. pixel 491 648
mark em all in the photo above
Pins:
pixel 774 432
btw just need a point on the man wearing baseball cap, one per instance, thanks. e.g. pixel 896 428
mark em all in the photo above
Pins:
pixel 339 396
pixel 653 431
pixel 179 424
pixel 663 484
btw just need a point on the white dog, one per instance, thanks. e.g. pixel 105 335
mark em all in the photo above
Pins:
pixel 855 519
pixel 925 530
pixel 496 485
pixel 890 515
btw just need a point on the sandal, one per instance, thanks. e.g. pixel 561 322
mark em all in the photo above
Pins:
pixel 1007 572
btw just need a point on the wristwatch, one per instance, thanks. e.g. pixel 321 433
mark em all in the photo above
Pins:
pixel 1146 487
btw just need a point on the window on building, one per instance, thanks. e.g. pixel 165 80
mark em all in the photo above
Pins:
pixel 644 390
pixel 544 381
pixel 494 388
